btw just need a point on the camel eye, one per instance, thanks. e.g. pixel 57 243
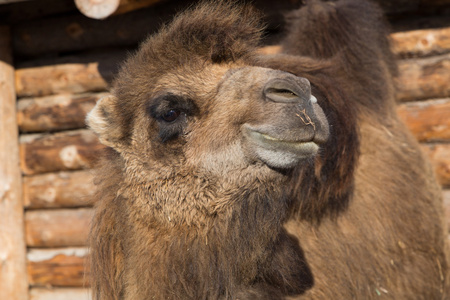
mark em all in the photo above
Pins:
pixel 171 115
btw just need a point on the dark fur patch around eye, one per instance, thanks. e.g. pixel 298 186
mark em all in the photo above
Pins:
pixel 160 107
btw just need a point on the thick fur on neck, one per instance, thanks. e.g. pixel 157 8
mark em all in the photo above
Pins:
pixel 243 252
pixel 221 262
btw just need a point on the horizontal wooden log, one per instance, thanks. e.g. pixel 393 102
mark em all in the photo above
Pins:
pixel 424 78
pixel 58 227
pixel 68 150
pixel 28 10
pixel 70 78
pixel 59 190
pixel 440 158
pixel 130 5
pixel 74 74
pixel 75 32
pixel 58 267
pixel 421 42
pixel 402 6
pixel 11 1
pixel 39 293
pixel 429 121
pixel 51 113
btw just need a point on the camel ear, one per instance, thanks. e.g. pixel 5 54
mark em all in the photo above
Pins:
pixel 103 120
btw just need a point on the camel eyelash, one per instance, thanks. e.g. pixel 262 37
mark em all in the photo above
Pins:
pixel 170 111
pixel 161 107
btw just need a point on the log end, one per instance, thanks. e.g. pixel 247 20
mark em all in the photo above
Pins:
pixel 97 9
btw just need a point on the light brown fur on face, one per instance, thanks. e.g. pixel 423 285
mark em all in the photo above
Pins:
pixel 232 175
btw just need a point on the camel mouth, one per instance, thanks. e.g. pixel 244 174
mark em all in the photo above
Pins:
pixel 302 148
pixel 277 151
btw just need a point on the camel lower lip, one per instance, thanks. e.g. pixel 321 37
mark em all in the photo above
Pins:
pixel 295 144
pixel 268 142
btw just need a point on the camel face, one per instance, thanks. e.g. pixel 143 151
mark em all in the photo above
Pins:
pixel 287 124
pixel 268 116
pixel 243 116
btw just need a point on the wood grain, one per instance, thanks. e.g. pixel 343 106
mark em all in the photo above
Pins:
pixel 57 227
pixel 68 150
pixel 429 121
pixel 63 267
pixel 59 190
pixel 13 284
pixel 39 293
pixel 425 42
pixel 51 113
pixel 440 158
pixel 424 78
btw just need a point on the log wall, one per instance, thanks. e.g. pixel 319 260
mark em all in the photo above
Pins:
pixel 64 64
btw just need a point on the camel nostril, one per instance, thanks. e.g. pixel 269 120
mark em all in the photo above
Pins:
pixel 286 91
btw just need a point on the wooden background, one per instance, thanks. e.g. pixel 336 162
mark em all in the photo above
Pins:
pixel 56 63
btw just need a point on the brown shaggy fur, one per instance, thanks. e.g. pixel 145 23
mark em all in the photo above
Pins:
pixel 191 206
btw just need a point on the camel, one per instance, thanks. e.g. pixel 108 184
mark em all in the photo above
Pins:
pixel 231 174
